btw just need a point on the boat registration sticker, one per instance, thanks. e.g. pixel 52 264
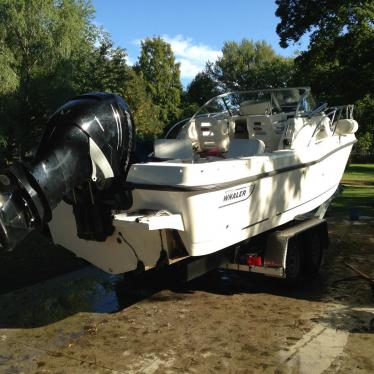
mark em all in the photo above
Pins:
pixel 236 195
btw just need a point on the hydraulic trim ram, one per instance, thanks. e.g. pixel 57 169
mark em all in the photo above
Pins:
pixel 83 158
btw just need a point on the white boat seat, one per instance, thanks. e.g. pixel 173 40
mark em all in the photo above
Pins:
pixel 267 128
pixel 213 134
pixel 169 149
pixel 245 148
pixel 345 126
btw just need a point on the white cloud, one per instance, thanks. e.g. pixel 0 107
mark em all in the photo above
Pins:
pixel 192 56
pixel 189 69
pixel 130 61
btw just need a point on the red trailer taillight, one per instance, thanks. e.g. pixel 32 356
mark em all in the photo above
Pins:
pixel 254 261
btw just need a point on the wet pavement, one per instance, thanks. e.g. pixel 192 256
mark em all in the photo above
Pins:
pixel 91 322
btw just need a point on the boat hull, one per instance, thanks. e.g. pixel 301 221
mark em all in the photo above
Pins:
pixel 277 188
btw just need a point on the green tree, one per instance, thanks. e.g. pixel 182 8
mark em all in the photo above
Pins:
pixel 201 89
pixel 162 77
pixel 250 65
pixel 339 62
pixel 365 117
pixel 322 19
pixel 38 40
pixel 364 143
pixel 105 69
pixel 144 111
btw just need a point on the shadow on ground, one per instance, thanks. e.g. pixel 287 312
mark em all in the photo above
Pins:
pixel 34 260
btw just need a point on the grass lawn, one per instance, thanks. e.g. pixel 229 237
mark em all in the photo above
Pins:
pixel 359 173
pixel 358 191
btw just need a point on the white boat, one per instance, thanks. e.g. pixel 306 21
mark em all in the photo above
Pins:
pixel 244 164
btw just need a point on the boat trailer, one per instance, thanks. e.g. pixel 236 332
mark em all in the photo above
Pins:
pixel 289 252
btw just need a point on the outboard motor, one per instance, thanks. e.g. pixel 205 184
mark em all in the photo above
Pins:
pixel 83 158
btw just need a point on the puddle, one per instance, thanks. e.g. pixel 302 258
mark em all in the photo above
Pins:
pixel 94 291
pixel 349 319
pixel 86 290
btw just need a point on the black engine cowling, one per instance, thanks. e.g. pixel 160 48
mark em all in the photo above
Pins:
pixel 83 158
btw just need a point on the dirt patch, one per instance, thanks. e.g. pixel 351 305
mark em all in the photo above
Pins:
pixel 223 322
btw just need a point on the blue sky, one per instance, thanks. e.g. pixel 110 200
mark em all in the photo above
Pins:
pixel 196 29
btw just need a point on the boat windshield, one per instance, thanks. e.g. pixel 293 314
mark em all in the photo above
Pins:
pixel 295 101
pixel 269 101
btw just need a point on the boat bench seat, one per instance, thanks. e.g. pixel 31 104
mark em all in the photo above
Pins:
pixel 169 149
pixel 245 148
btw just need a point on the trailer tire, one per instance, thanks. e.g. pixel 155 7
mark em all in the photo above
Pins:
pixel 313 254
pixel 294 261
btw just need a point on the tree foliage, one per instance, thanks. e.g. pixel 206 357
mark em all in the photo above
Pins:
pixel 242 66
pixel 50 51
pixel 144 110
pixel 162 77
pixel 323 19
pixel 38 41
pixel 364 142
pixel 339 62
pixel 201 89
pixel 250 65
pixel 105 69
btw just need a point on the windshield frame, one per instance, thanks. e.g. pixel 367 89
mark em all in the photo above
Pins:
pixel 307 92
pixel 199 113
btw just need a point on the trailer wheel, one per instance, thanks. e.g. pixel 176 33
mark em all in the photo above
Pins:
pixel 294 261
pixel 313 254
pixel 313 259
